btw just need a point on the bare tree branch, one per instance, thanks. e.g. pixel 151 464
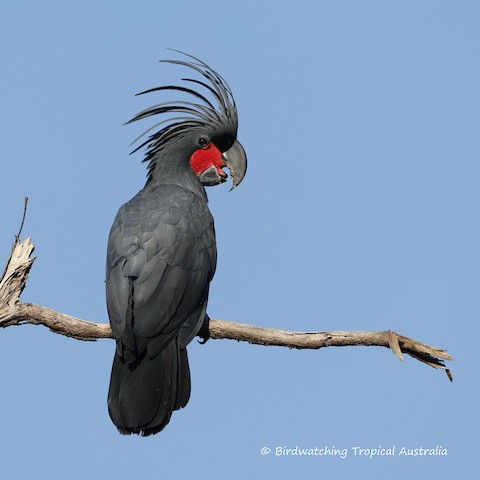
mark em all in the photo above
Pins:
pixel 15 312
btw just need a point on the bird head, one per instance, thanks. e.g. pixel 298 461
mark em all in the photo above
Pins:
pixel 204 131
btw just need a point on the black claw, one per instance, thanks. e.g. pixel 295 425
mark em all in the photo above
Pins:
pixel 204 332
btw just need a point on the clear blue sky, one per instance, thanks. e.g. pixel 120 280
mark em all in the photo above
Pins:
pixel 359 212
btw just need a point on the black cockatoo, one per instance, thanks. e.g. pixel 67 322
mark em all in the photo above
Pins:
pixel 161 250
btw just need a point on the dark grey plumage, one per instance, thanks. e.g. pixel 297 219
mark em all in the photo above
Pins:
pixel 161 258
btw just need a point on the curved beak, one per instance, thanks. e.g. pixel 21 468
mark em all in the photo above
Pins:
pixel 235 159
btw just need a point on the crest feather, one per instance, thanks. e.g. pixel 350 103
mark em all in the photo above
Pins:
pixel 201 112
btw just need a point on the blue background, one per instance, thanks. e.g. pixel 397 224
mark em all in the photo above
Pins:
pixel 359 212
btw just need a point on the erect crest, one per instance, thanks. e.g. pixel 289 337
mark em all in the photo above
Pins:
pixel 221 114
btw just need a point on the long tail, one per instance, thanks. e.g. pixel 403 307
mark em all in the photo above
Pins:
pixel 141 398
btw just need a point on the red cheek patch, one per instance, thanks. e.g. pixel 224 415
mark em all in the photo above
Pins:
pixel 205 158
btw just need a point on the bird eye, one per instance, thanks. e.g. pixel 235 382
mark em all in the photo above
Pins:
pixel 203 142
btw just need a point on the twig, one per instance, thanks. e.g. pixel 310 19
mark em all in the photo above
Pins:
pixel 25 205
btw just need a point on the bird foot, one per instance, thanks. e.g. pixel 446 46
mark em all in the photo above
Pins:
pixel 204 332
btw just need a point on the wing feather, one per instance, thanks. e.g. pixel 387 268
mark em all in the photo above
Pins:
pixel 161 258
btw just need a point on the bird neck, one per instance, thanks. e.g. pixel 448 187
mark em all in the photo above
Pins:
pixel 166 168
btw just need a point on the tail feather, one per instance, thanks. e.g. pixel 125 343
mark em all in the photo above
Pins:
pixel 183 392
pixel 143 395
